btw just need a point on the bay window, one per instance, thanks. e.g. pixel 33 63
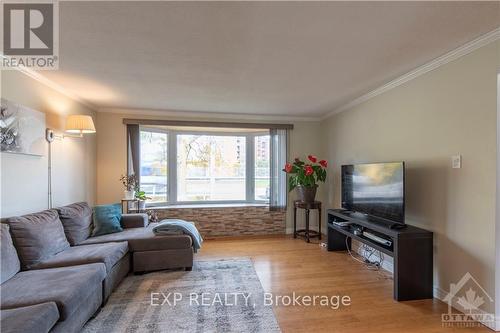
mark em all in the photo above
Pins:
pixel 194 162
pixel 204 165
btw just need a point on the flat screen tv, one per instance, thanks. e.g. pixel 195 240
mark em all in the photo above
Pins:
pixel 376 189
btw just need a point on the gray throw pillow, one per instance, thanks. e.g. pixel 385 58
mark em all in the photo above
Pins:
pixel 77 221
pixel 8 255
pixel 38 236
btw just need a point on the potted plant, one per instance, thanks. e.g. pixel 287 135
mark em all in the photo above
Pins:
pixel 305 176
pixel 141 196
pixel 130 184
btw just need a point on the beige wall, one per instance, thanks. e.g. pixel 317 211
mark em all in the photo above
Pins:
pixel 112 152
pixel 24 181
pixel 451 110
pixel 305 139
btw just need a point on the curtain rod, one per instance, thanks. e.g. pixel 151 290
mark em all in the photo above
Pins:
pixel 188 123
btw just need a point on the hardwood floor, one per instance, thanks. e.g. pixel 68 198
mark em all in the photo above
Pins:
pixel 285 265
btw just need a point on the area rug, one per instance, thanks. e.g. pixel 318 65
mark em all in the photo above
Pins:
pixel 216 296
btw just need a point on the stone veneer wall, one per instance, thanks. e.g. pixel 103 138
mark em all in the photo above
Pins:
pixel 229 221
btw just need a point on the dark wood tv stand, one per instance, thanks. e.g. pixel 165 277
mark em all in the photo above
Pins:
pixel 411 250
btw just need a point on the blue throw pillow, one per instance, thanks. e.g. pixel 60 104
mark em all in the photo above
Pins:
pixel 107 219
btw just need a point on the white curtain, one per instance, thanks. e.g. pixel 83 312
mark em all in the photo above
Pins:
pixel 279 156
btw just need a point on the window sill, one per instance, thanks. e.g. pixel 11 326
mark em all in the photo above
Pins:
pixel 229 205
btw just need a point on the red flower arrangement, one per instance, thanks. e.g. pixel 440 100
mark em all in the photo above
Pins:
pixel 312 158
pixel 308 170
pixel 307 175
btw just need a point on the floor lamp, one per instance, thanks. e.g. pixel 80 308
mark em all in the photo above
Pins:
pixel 76 127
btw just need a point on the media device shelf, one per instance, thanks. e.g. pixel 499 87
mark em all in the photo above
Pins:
pixel 385 249
pixel 411 250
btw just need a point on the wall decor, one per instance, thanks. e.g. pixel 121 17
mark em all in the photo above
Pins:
pixel 22 130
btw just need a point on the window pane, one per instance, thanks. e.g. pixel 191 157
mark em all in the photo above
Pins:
pixel 262 167
pixel 154 165
pixel 210 168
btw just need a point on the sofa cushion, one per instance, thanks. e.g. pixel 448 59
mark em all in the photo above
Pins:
pixel 9 260
pixel 107 219
pixel 134 220
pixel 108 254
pixel 143 239
pixel 77 221
pixel 37 236
pixel 66 286
pixel 39 318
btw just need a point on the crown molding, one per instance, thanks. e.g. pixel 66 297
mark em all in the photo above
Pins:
pixel 421 70
pixel 51 84
pixel 206 115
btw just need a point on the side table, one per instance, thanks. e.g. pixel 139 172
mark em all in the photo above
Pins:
pixel 306 233
pixel 125 205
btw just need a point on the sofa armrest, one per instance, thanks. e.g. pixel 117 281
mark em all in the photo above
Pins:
pixel 136 220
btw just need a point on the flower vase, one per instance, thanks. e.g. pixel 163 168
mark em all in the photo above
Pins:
pixel 306 193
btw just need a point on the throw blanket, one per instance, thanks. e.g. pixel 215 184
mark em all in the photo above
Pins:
pixel 175 227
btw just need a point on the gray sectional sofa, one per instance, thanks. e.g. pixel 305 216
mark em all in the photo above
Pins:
pixel 55 276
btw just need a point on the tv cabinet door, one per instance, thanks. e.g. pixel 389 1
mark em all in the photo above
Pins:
pixel 413 269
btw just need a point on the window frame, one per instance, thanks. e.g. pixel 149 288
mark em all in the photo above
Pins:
pixel 172 135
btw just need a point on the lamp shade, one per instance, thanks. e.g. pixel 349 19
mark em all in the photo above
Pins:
pixel 80 124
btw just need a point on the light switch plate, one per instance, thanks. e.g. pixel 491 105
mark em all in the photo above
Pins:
pixel 456 161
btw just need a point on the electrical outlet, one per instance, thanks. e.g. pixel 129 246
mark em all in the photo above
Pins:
pixel 456 161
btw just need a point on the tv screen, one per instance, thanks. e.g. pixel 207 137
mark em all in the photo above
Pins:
pixel 375 189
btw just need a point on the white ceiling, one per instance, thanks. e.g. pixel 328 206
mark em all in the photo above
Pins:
pixel 273 58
